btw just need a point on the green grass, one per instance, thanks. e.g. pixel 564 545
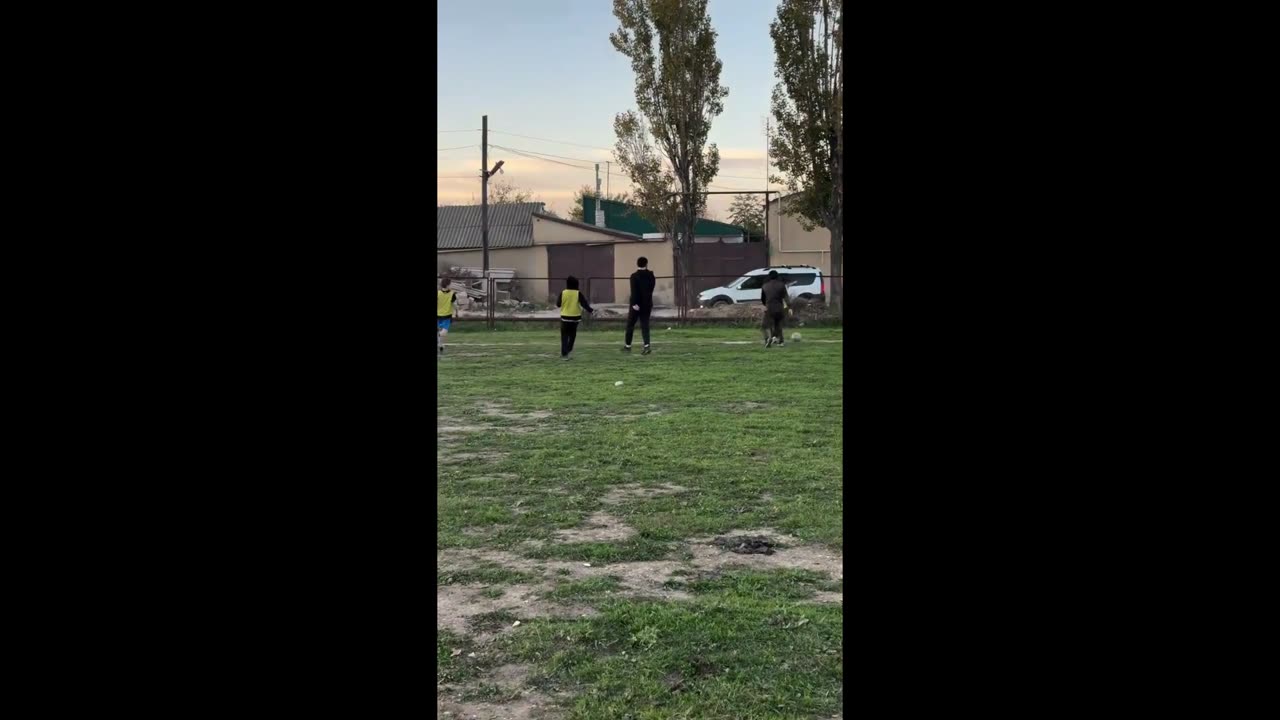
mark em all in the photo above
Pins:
pixel 754 435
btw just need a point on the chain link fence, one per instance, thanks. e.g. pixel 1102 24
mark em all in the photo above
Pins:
pixel 714 299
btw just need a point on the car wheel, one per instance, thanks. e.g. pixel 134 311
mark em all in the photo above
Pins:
pixel 806 297
pixel 721 301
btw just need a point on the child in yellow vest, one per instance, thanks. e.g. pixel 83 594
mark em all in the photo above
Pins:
pixel 445 300
pixel 571 302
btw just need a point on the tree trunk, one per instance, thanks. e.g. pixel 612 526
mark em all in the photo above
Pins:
pixel 837 267
pixel 691 221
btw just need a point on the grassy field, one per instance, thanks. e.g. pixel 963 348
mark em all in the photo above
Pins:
pixel 592 540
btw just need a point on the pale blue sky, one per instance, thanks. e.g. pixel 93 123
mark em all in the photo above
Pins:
pixel 546 68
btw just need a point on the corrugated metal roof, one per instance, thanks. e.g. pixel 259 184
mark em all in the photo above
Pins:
pixel 586 226
pixel 458 226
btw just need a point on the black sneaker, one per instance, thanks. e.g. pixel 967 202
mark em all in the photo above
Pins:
pixel 626 348
pixel 441 349
pixel 646 350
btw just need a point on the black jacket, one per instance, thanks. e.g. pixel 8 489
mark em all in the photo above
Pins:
pixel 642 284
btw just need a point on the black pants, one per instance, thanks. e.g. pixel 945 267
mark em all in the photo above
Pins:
pixel 568 333
pixel 643 316
pixel 773 323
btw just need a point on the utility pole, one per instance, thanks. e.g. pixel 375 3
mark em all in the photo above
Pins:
pixel 485 174
pixel 607 173
pixel 597 181
pixel 484 194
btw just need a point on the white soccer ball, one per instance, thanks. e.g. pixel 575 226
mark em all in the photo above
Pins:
pixel 795 337
pixel 618 384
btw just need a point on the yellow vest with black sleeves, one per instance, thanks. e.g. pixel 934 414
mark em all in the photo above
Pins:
pixel 570 305
pixel 444 303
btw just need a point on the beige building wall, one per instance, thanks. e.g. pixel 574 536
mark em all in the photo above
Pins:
pixel 661 262
pixel 528 262
pixel 791 244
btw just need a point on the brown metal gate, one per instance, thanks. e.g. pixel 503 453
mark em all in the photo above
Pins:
pixel 720 263
pixel 582 261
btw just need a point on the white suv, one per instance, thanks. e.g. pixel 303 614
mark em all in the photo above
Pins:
pixel 803 281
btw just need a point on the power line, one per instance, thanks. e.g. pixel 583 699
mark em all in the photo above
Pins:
pixel 561 142
pixel 535 157
pixel 456 148
pixel 596 147
pixel 457 131
pixel 562 157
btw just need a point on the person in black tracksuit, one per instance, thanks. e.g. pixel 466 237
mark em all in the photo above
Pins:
pixel 642 284
pixel 774 298
pixel 571 302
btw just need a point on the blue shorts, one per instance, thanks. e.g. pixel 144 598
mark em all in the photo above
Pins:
pixel 443 323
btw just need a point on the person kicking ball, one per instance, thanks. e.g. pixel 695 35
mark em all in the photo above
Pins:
pixel 774 298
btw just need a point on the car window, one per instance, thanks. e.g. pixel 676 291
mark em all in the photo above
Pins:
pixel 800 279
pixel 752 283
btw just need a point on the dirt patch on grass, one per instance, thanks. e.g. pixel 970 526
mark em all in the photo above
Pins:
pixel 452 458
pixel 634 416
pixel 746 407
pixel 527 706
pixel 600 527
pixel 456 605
pixel 448 429
pixel 497 410
pixel 635 579
pixel 628 493
pixel 828 598
pixel 790 553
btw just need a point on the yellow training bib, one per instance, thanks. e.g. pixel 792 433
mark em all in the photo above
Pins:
pixel 569 306
pixel 444 303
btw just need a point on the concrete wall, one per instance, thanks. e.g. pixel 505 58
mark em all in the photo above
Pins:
pixel 791 244
pixel 528 262
pixel 661 262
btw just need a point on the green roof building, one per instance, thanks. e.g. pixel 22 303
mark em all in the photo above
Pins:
pixel 620 216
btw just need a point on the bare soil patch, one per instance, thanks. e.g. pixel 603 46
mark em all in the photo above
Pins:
pixel 634 416
pixel 790 553
pixel 457 604
pixel 448 429
pixel 530 706
pixel 600 527
pixel 628 493
pixel 635 579
pixel 498 410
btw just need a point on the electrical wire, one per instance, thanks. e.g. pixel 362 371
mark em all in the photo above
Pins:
pixel 560 142
pixel 562 157
pixel 595 147
pixel 456 148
